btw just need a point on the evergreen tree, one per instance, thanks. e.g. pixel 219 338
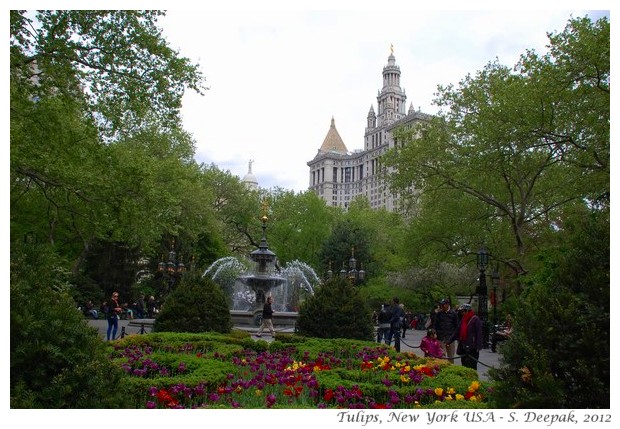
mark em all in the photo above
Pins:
pixel 57 360
pixel 196 305
pixel 559 355
pixel 336 310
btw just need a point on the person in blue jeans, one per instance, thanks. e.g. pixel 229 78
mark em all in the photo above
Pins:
pixel 114 311
pixel 396 322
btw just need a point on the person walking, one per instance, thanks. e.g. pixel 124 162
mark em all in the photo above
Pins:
pixel 383 320
pixel 113 314
pixel 469 336
pixel 446 324
pixel 396 322
pixel 267 319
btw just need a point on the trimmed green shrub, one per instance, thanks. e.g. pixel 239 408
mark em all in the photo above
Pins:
pixel 336 310
pixel 57 360
pixel 196 305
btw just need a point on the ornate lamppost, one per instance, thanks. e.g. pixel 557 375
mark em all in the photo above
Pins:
pixel 171 270
pixel 483 312
pixel 354 275
pixel 495 281
pixel 330 273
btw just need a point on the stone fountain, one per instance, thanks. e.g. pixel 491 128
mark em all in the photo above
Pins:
pixel 249 283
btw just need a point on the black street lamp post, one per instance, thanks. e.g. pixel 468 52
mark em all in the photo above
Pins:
pixel 483 312
pixel 171 270
pixel 495 280
pixel 354 275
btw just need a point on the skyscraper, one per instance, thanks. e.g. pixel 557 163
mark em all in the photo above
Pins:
pixel 338 175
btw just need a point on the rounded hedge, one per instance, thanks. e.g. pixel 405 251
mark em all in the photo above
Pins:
pixel 197 305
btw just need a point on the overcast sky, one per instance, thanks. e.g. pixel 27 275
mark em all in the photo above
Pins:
pixel 277 78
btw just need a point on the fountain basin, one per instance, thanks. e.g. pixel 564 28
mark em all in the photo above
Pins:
pixel 248 319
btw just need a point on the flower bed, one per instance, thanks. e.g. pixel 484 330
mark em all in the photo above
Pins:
pixel 169 370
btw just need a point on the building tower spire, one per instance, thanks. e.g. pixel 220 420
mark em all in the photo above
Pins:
pixel 391 99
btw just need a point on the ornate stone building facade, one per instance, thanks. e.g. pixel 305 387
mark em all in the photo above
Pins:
pixel 338 175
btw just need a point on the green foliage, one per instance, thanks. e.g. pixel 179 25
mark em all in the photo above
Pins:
pixel 387 249
pixel 298 225
pixel 125 69
pixel 511 149
pixel 336 310
pixel 348 236
pixel 97 153
pixel 236 209
pixel 559 356
pixel 196 305
pixel 57 360
pixel 419 288
pixel 456 376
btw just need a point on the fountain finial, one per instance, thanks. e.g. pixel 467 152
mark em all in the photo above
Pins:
pixel 264 210
pixel 264 258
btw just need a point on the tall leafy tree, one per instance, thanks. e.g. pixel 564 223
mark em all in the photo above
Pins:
pixel 514 147
pixel 299 223
pixel 116 61
pixel 386 229
pixel 236 209
pixel 97 152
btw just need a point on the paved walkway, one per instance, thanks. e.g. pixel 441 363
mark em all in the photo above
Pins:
pixel 410 343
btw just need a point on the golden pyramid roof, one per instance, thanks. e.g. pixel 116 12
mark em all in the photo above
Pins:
pixel 333 142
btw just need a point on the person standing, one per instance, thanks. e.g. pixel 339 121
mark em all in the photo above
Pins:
pixel 406 320
pixel 469 335
pixel 446 324
pixel 113 314
pixel 396 323
pixel 267 319
pixel 140 307
pixel 430 345
pixel 430 320
pixel 151 307
pixel 502 334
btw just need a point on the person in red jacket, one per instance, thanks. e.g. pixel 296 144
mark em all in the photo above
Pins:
pixel 469 335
